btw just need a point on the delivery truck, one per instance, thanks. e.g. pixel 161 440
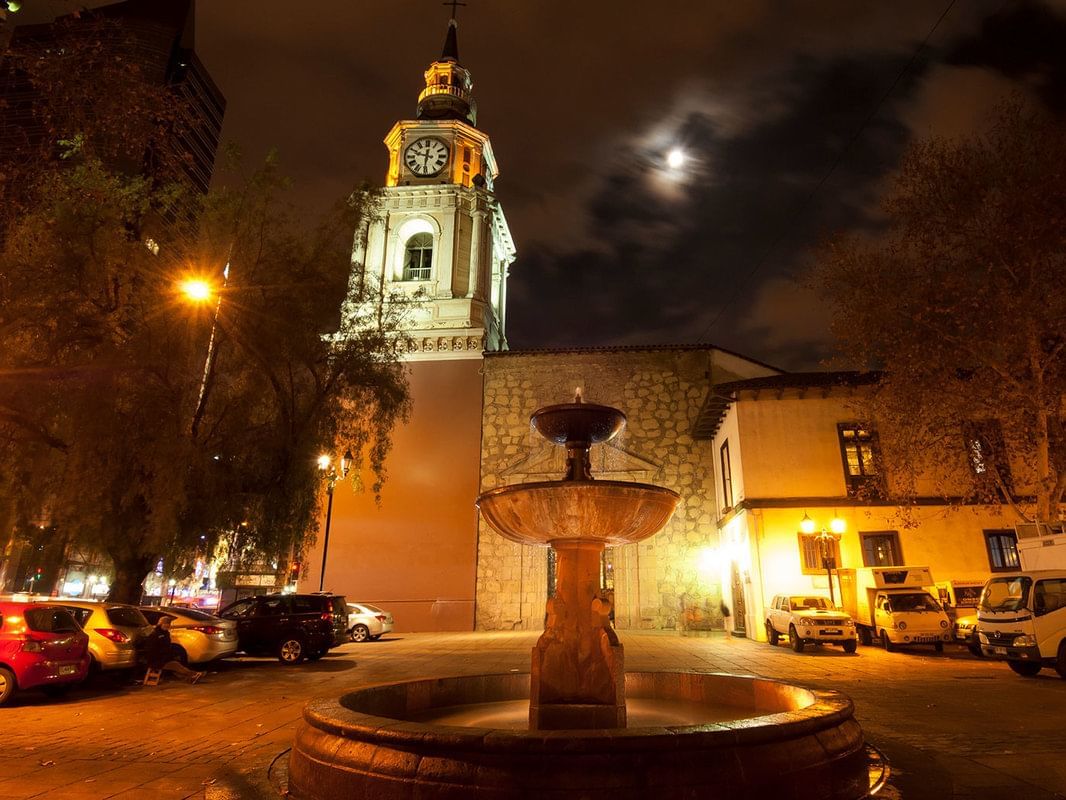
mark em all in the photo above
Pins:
pixel 897 606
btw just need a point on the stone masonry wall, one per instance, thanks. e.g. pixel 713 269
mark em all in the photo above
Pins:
pixel 657 583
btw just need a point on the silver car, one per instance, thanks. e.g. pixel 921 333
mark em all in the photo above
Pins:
pixel 195 635
pixel 367 622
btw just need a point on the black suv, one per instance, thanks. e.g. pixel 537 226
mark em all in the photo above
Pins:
pixel 291 626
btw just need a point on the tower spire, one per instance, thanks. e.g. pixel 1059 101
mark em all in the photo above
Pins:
pixel 451 40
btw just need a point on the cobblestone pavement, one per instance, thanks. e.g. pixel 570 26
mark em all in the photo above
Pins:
pixel 951 725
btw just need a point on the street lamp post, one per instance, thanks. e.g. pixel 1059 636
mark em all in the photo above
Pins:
pixel 332 475
pixel 826 539
pixel 200 291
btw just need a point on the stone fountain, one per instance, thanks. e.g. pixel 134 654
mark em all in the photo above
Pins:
pixel 565 730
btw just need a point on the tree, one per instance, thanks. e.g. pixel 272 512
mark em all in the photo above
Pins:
pixel 103 367
pixel 959 301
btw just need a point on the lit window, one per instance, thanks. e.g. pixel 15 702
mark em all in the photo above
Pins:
pixel 881 549
pixel 858 447
pixel 987 455
pixel 418 257
pixel 1002 550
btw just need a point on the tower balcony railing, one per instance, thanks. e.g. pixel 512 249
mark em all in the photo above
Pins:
pixel 435 89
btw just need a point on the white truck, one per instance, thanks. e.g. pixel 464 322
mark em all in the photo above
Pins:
pixel 895 606
pixel 1021 618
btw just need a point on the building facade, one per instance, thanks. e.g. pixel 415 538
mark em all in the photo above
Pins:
pixel 661 583
pixel 791 453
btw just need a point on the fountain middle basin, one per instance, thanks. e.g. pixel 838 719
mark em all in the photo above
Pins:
pixel 748 738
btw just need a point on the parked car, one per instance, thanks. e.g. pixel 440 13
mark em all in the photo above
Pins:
pixel 809 619
pixel 114 630
pixel 966 633
pixel 367 622
pixel 291 626
pixel 41 647
pixel 196 636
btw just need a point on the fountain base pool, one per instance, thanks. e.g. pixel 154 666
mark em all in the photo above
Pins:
pixel 691 735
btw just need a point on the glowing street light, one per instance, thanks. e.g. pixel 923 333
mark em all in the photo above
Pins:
pixel 826 538
pixel 196 289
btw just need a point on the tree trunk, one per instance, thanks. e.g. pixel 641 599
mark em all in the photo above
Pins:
pixel 127 585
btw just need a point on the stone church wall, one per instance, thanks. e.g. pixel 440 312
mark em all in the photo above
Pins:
pixel 658 583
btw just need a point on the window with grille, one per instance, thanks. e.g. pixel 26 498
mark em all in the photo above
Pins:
pixel 881 549
pixel 858 448
pixel 1002 550
pixel 812 556
pixel 418 257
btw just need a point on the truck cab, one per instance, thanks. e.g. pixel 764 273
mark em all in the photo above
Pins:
pixel 1021 619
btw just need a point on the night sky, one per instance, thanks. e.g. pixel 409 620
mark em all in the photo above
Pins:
pixel 792 116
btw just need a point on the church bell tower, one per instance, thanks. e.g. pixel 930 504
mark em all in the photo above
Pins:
pixel 438 235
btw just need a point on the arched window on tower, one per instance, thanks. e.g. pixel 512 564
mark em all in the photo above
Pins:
pixel 418 257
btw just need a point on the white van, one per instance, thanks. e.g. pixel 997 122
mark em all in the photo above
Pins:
pixel 1021 619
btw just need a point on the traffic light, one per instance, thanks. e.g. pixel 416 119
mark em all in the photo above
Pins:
pixel 37 574
pixel 294 572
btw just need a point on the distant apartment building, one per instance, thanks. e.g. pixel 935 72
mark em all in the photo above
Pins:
pixel 157 36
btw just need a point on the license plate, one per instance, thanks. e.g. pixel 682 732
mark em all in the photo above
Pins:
pixel 999 651
pixel 832 633
pixel 69 669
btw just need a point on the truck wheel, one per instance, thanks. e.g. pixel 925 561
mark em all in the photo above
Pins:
pixel 850 646
pixel 885 643
pixel 771 634
pixel 864 637
pixel 1060 661
pixel 794 639
pixel 938 646
pixel 1027 669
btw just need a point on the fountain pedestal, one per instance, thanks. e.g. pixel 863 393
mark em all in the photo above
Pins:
pixel 578 676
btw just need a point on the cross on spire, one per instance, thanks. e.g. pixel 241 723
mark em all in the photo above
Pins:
pixel 454 4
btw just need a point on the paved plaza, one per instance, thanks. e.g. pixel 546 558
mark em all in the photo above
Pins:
pixel 953 726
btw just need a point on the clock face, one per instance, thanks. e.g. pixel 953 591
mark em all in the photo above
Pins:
pixel 426 156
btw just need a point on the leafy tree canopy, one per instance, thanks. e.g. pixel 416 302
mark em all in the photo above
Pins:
pixel 960 302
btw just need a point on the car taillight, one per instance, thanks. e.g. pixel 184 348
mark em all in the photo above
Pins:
pixel 113 635
pixel 208 629
pixel 30 646
pixel 380 617
pixel 327 616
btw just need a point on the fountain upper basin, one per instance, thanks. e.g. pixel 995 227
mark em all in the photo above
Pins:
pixel 611 512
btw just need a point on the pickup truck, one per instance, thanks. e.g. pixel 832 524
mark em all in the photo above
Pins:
pixel 809 619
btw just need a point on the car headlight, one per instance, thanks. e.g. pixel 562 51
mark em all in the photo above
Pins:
pixel 982 638
pixel 901 625
pixel 943 623
pixel 850 623
pixel 1025 640
pixel 806 621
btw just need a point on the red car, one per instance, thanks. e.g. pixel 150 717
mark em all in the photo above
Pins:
pixel 41 647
